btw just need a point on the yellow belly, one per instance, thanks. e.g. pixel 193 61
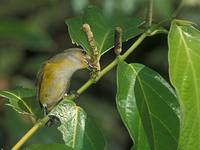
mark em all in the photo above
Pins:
pixel 53 85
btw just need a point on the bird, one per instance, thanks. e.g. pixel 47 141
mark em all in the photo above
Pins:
pixel 54 76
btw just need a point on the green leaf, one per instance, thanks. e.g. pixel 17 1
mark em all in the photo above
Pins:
pixel 76 34
pixel 72 120
pixel 126 105
pixel 76 128
pixel 184 69
pixel 24 34
pixel 93 137
pixel 102 28
pixel 48 147
pixel 158 107
pixel 18 100
pixel 156 103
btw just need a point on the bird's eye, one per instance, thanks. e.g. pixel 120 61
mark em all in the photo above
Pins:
pixel 84 52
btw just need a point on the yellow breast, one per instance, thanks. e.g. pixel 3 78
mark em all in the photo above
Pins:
pixel 53 85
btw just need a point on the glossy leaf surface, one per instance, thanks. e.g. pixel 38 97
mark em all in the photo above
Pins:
pixel 159 109
pixel 127 107
pixel 184 68
pixel 156 104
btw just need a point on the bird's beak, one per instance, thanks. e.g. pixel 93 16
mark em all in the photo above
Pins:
pixel 88 59
pixel 90 67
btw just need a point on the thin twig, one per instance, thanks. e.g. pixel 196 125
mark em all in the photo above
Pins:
pixel 112 64
pixel 38 125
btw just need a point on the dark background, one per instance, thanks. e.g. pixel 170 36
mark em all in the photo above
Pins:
pixel 31 31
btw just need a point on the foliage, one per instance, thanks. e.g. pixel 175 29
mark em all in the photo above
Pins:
pixel 156 115
pixel 184 54
pixel 141 95
pixel 77 129
pixel 19 99
pixel 102 28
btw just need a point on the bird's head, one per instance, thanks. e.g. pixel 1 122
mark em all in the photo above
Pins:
pixel 80 57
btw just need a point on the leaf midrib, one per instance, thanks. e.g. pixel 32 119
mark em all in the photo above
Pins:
pixel 75 128
pixel 192 68
pixel 145 98
pixel 19 98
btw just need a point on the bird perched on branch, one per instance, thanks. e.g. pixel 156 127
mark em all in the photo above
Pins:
pixel 55 74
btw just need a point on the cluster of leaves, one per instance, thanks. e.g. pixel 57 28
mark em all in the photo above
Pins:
pixel 155 115
pixel 102 28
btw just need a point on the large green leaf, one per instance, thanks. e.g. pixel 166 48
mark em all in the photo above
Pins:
pixel 20 100
pixel 77 130
pixel 102 28
pixel 126 105
pixel 156 103
pixel 93 138
pixel 159 109
pixel 184 69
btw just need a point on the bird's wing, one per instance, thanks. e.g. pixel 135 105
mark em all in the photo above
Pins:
pixel 38 82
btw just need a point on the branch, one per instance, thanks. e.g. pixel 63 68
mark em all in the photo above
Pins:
pixel 85 86
pixel 149 13
pixel 38 125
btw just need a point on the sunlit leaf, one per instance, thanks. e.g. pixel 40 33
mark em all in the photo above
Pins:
pixel 126 105
pixel 184 69
pixel 156 103
pixel 159 109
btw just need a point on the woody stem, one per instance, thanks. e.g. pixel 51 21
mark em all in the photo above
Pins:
pixel 28 134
